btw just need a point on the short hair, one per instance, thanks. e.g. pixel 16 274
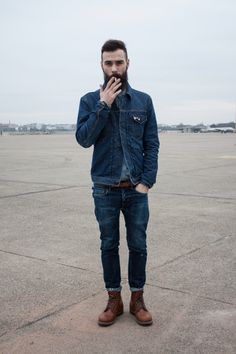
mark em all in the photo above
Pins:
pixel 112 45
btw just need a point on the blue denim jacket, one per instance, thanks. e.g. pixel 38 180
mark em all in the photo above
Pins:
pixel 133 137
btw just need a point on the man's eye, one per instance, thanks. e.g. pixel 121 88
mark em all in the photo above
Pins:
pixel 110 63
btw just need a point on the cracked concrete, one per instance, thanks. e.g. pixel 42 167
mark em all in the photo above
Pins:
pixel 51 288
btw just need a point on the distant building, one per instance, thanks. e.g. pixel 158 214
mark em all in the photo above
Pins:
pixel 8 127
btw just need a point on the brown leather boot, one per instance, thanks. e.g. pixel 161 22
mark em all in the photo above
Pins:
pixel 114 308
pixel 139 310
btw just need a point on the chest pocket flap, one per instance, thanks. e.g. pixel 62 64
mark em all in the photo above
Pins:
pixel 139 118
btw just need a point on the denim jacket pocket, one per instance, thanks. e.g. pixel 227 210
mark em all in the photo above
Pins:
pixel 137 122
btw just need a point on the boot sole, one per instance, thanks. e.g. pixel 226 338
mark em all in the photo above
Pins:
pixel 106 324
pixel 147 323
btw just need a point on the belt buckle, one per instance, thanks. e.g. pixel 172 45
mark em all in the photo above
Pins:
pixel 126 184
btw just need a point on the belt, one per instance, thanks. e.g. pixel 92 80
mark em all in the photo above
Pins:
pixel 124 184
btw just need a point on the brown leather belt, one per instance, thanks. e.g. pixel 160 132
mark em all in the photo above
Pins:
pixel 124 184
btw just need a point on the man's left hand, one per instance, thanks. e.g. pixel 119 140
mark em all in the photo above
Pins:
pixel 141 188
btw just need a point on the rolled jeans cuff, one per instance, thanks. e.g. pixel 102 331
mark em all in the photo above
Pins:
pixel 114 289
pixel 136 289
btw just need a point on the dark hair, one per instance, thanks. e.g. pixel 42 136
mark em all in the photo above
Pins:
pixel 113 44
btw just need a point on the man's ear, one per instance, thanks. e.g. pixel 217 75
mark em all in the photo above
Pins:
pixel 127 63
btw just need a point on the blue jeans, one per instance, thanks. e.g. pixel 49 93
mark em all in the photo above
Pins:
pixel 109 201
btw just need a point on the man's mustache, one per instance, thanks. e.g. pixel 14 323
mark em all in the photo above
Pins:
pixel 123 78
pixel 117 76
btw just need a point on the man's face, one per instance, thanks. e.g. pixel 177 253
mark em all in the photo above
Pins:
pixel 115 64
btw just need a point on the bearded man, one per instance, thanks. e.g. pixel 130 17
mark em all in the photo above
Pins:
pixel 120 122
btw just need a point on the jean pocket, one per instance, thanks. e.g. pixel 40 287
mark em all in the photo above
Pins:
pixel 99 191
pixel 141 193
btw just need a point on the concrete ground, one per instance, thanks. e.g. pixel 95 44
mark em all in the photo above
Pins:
pixel 51 288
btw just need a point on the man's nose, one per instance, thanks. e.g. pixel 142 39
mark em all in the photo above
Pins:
pixel 114 68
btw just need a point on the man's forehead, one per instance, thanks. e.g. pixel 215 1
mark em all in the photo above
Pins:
pixel 118 54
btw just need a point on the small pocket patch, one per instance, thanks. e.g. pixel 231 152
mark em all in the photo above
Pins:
pixel 139 119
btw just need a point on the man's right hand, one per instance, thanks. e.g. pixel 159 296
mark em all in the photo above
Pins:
pixel 111 91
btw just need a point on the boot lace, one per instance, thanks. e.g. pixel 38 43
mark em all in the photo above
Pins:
pixel 112 303
pixel 139 304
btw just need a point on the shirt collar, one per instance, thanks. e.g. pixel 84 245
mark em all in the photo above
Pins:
pixel 129 90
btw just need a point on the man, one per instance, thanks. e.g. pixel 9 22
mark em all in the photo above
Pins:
pixel 120 122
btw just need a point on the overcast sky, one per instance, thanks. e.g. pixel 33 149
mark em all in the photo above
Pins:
pixel 182 52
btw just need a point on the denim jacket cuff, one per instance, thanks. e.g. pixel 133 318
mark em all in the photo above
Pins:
pixel 146 184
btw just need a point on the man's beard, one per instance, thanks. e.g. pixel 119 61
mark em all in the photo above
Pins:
pixel 123 78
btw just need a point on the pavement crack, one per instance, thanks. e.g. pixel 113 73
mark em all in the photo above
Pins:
pixel 195 170
pixel 196 195
pixel 208 168
pixel 190 252
pixel 28 324
pixel 36 192
pixel 191 294
pixel 76 267
pixel 219 239
pixel 32 182
pixel 23 255
pixel 45 260
pixel 180 256
pixel 3 334
pixel 53 313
